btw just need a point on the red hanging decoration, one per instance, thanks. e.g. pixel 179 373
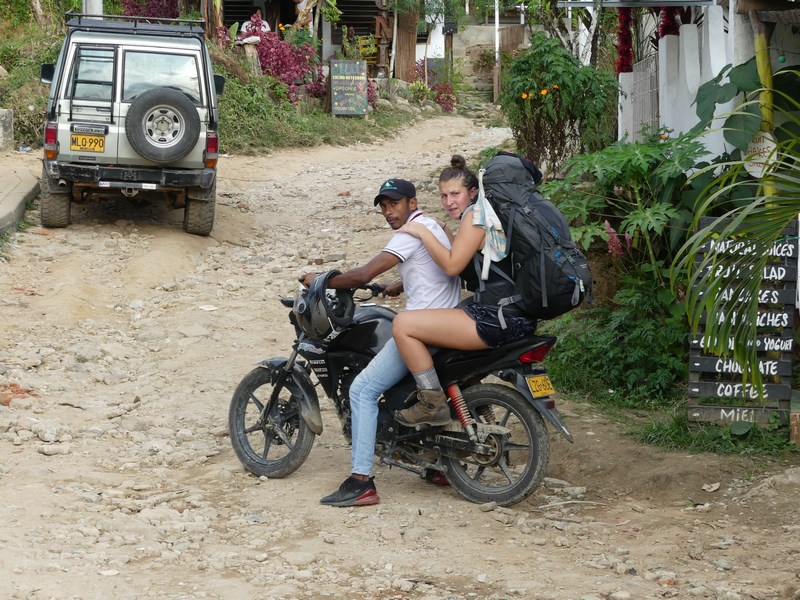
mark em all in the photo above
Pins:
pixel 624 40
pixel 668 22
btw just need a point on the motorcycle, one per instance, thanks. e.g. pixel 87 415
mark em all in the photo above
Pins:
pixel 495 449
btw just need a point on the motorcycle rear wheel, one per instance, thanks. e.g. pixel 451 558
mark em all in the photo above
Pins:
pixel 278 444
pixel 519 463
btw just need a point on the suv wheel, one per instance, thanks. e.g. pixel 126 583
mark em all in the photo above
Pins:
pixel 55 205
pixel 198 214
pixel 162 125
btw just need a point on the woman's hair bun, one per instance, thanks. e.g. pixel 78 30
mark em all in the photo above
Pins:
pixel 458 161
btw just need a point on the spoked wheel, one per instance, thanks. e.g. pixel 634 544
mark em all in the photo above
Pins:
pixel 273 444
pixel 518 452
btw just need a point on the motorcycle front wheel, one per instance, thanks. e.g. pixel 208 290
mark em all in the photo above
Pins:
pixel 518 457
pixel 273 444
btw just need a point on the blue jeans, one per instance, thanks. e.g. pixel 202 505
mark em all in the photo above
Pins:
pixel 383 371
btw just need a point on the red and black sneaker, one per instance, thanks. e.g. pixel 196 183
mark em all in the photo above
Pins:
pixel 353 492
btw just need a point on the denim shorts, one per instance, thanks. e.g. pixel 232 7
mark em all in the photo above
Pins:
pixel 487 324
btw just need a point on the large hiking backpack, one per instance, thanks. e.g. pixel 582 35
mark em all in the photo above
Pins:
pixel 550 275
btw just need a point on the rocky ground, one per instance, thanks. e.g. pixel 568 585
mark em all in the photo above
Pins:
pixel 122 339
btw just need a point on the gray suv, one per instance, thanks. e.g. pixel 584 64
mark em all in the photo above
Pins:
pixel 132 110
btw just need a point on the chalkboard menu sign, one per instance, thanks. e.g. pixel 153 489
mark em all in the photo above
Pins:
pixel 717 392
pixel 348 87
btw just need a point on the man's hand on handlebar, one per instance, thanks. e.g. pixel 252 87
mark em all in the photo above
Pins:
pixel 393 289
pixel 307 279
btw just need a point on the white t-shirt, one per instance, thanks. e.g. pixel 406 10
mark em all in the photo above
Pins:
pixel 426 285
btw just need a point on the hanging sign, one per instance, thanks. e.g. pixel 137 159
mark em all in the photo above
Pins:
pixel 760 153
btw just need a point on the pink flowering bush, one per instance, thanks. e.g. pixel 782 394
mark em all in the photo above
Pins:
pixel 292 65
pixel 223 37
pixel 153 9
pixel 445 97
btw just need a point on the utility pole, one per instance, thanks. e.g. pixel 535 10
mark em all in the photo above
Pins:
pixel 92 7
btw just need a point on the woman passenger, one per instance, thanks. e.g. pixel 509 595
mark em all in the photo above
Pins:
pixel 475 324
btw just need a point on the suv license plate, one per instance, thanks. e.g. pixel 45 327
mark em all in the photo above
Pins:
pixel 540 386
pixel 87 143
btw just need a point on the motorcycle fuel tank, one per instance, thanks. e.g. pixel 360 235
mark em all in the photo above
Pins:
pixel 372 328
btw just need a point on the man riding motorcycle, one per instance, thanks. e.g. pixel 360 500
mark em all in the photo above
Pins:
pixel 426 286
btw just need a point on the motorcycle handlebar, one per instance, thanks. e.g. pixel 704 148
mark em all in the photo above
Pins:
pixel 374 290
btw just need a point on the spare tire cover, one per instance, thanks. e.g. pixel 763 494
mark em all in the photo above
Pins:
pixel 162 125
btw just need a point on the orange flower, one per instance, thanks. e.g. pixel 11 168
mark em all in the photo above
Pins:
pixel 524 95
pixel 543 92
pixel 555 87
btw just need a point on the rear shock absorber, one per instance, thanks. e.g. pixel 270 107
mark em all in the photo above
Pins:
pixel 466 420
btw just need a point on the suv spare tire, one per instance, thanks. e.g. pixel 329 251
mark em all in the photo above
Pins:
pixel 162 125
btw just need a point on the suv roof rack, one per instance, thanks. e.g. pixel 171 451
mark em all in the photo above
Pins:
pixel 125 24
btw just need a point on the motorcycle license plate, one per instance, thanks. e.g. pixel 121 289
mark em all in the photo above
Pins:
pixel 540 386
pixel 87 143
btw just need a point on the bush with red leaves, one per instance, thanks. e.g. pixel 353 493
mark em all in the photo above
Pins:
pixel 624 40
pixel 152 9
pixel 445 97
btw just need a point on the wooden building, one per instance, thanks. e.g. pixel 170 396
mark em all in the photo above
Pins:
pixel 367 17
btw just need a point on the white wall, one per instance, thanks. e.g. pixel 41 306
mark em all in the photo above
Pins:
pixel 436 47
pixel 698 55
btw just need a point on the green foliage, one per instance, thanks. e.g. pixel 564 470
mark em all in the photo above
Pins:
pixel 555 106
pixel 22 55
pixel 300 37
pixel 484 62
pixel 16 11
pixel 630 355
pixel 330 11
pixel 747 439
pixel 255 115
pixel 418 91
pixel 359 47
pixel 752 212
pixel 633 195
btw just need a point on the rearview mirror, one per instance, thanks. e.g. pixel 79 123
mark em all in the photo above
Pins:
pixel 47 72
pixel 219 84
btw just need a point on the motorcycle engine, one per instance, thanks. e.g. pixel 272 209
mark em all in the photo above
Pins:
pixel 345 381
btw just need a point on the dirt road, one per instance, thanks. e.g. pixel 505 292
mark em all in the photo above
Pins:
pixel 122 339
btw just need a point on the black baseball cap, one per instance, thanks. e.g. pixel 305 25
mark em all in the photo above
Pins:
pixel 394 189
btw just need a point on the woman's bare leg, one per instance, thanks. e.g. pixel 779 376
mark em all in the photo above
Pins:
pixel 444 327
pixel 412 330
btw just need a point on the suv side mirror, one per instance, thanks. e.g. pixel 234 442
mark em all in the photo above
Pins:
pixel 47 72
pixel 219 84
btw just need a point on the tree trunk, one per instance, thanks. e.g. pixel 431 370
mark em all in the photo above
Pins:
pixel 38 14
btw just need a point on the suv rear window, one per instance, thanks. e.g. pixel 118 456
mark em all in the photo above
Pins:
pixel 94 74
pixel 147 70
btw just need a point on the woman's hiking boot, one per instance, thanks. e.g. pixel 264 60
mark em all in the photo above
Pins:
pixel 431 409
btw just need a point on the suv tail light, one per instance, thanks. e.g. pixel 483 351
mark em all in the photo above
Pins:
pixel 212 149
pixel 50 140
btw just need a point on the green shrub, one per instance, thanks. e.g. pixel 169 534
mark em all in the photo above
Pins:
pixel 635 196
pixel 555 106
pixel 744 438
pixel 630 354
pixel 419 91
pixel 21 91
